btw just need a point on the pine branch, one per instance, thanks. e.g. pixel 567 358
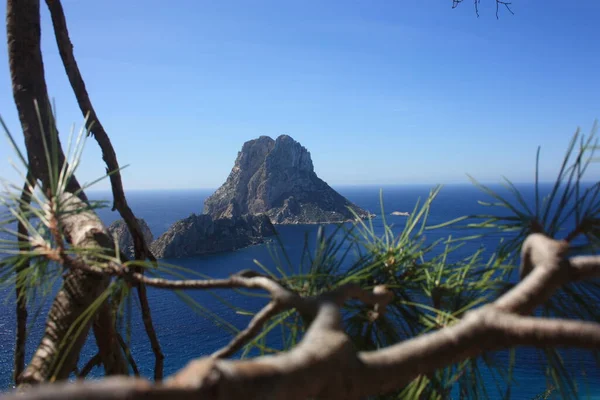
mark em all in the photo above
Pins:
pixel 326 365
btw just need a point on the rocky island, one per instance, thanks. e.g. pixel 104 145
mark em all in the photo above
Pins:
pixel 277 178
pixel 272 182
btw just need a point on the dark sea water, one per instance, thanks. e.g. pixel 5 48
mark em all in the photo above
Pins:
pixel 185 335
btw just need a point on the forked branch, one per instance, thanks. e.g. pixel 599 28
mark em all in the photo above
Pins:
pixel 325 364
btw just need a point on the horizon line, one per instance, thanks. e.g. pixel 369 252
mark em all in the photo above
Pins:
pixel 346 185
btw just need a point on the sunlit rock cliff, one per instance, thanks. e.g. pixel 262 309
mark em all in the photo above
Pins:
pixel 277 177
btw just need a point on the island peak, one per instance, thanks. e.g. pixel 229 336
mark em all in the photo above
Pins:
pixel 277 178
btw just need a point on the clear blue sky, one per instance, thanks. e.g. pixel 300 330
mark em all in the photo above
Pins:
pixel 380 92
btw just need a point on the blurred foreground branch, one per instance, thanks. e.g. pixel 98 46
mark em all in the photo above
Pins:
pixel 325 364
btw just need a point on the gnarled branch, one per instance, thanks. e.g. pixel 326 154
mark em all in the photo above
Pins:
pixel 326 365
pixel 80 289
pixel 253 328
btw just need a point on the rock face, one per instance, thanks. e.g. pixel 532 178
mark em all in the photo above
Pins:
pixel 277 177
pixel 201 234
pixel 119 228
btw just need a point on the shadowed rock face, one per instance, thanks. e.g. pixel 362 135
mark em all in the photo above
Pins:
pixel 201 234
pixel 277 177
pixel 119 228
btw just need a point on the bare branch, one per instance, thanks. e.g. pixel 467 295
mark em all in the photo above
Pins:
pixel 141 249
pixel 278 293
pixel 65 48
pixel 127 352
pixel 584 267
pixel 31 98
pixel 325 364
pixel 109 388
pixel 456 3
pixel 251 330
pixel 543 270
pixel 149 327
pixel 505 4
pixel 30 91
pixel 482 330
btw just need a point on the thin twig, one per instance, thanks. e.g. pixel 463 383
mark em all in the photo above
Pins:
pixel 505 4
pixel 456 3
pixel 149 326
pixel 141 248
pixel 128 355
pixel 581 228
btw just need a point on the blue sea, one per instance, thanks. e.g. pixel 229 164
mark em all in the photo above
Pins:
pixel 185 334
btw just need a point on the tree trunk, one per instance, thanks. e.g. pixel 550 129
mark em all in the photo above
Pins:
pixel 29 86
pixel 79 289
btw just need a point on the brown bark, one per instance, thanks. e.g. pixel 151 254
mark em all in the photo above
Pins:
pixel 77 294
pixel 80 289
pixel 109 156
pixel 29 88
pixel 57 355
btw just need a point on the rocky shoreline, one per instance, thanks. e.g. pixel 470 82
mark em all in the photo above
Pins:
pixel 201 234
